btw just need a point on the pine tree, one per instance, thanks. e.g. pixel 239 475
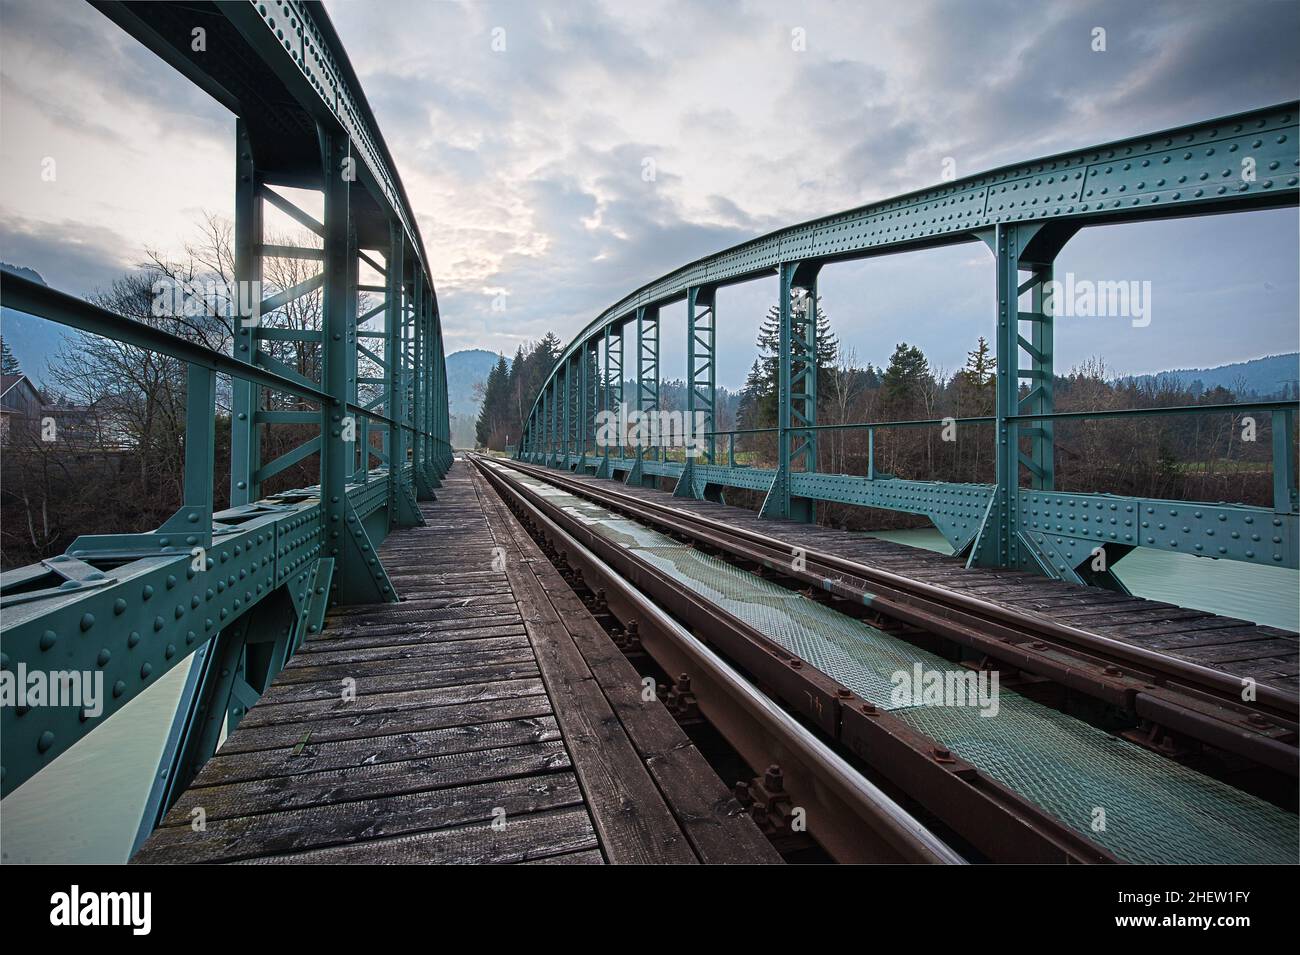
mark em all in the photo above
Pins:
pixel 975 381
pixel 764 383
pixel 980 365
pixel 494 391
pixel 905 376
pixel 748 411
pixel 8 361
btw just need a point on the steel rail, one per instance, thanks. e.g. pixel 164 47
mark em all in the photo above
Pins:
pixel 995 820
pixel 800 750
pixel 1183 669
pixel 1224 722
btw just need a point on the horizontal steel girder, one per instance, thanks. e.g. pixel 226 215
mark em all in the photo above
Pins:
pixel 144 616
pixel 1073 524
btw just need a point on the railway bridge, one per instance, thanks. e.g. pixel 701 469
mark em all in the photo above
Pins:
pixel 584 652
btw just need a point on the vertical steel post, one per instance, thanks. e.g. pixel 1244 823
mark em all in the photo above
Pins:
pixel 796 390
pixel 1007 248
pixel 350 349
pixel 1284 467
pixel 701 367
pixel 584 393
pixel 200 453
pixel 613 400
pixel 1023 389
pixel 394 319
pixel 553 444
pixel 417 390
pixel 245 457
pixel 567 443
pixel 647 393
pixel 334 469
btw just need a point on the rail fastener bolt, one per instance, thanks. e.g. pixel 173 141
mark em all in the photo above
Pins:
pixel 682 702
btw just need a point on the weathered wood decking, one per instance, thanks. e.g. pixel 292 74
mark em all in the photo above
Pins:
pixel 493 721
pixel 1239 647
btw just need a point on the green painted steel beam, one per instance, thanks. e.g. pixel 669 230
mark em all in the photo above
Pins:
pixel 24 295
pixel 1189 170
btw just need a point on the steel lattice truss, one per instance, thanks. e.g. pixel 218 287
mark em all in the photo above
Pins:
pixel 240 589
pixel 1024 213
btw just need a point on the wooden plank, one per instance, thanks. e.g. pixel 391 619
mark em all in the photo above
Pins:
pixel 720 830
pixel 404 680
pixel 629 813
pixel 414 636
pixel 432 662
pixel 537 837
pixel 476 769
pixel 365 725
pixel 314 756
pixel 372 823
pixel 390 702
pixel 402 651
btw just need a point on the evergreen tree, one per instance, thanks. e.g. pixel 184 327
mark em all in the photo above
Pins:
pixel 495 398
pixel 980 364
pixel 8 361
pixel 975 381
pixel 763 377
pixel 905 376
pixel 748 412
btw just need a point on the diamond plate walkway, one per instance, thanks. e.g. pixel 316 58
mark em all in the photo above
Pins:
pixel 485 718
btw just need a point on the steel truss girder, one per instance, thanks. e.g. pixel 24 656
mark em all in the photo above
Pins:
pixel 1176 172
pixel 1160 175
pixel 149 614
pixel 701 365
pixel 128 607
pixel 796 391
pixel 1071 523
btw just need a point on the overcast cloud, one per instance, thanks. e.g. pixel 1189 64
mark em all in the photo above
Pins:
pixel 525 165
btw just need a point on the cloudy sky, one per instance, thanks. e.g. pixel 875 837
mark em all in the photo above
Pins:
pixel 524 164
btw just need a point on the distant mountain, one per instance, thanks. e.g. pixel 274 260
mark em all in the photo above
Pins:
pixel 1274 376
pixel 465 369
pixel 32 340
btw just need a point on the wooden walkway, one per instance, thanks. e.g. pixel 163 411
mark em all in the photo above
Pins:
pixel 493 721
pixel 1269 655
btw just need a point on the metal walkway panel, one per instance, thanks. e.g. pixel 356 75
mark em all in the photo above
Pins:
pixel 1155 810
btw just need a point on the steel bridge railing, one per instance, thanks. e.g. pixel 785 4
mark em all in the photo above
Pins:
pixel 1025 214
pixel 237 591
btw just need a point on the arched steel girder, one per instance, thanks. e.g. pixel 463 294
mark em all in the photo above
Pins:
pixel 1024 213
pixel 1190 170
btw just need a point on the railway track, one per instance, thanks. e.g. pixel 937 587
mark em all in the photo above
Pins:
pixel 1032 790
